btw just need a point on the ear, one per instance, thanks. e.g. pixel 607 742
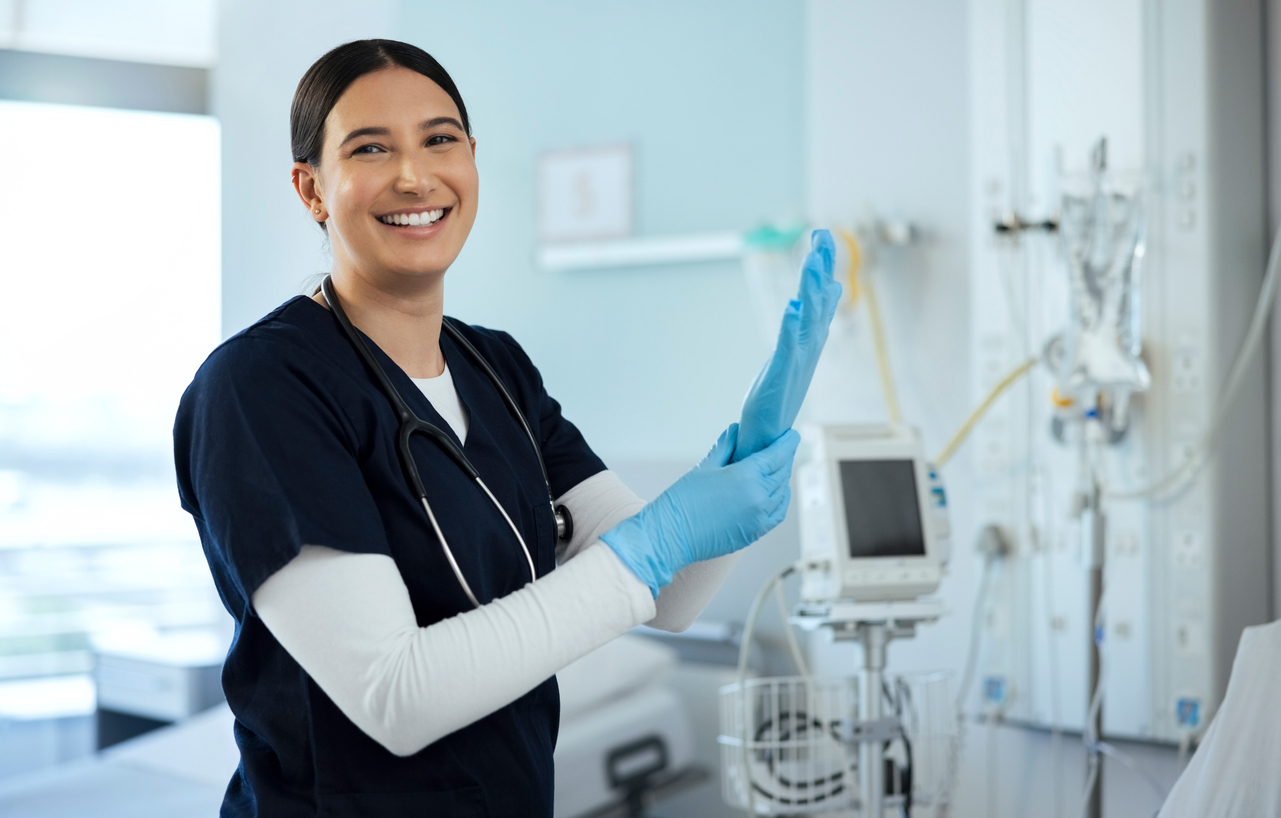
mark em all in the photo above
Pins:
pixel 308 186
pixel 472 139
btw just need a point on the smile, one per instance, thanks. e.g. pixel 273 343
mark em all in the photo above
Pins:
pixel 422 218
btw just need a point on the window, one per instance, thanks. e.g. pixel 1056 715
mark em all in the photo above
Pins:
pixel 109 301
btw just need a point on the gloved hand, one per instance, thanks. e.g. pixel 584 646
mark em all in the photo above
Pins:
pixel 775 398
pixel 715 509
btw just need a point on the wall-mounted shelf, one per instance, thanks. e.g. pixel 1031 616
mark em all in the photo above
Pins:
pixel 601 255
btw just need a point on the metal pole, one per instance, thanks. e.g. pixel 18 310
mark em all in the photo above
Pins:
pixel 1098 530
pixel 871 758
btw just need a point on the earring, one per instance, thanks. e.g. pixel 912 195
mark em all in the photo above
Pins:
pixel 316 210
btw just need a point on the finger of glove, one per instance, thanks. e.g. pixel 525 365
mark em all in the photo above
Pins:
pixel 779 512
pixel 722 450
pixel 819 298
pixel 822 258
pixel 820 264
pixel 821 242
pixel 777 480
pixel 776 455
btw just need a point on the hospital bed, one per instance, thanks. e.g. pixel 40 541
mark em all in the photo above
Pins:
pixel 625 739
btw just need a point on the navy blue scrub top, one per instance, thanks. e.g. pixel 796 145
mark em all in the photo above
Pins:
pixel 283 440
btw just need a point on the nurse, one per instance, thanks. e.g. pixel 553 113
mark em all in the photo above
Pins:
pixel 364 677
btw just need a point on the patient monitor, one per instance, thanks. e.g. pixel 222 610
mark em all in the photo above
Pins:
pixel 873 515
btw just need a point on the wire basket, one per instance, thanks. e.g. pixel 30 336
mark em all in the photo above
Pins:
pixel 785 746
pixel 781 751
pixel 926 710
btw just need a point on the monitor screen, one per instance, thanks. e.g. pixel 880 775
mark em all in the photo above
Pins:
pixel 882 509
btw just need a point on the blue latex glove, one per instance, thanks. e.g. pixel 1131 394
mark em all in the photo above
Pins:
pixel 775 399
pixel 715 509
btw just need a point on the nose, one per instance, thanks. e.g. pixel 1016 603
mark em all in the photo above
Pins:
pixel 416 177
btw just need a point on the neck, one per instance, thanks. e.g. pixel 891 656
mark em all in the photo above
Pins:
pixel 402 319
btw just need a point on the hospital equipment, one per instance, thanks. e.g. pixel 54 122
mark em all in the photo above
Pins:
pixel 1102 239
pixel 411 424
pixel 1183 427
pixel 775 398
pixel 874 541
pixel 716 508
pixel 873 519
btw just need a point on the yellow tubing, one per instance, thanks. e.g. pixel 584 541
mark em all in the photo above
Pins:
pixel 859 284
pixel 968 426
pixel 855 265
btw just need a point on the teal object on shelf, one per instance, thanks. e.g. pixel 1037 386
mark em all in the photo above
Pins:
pixel 771 238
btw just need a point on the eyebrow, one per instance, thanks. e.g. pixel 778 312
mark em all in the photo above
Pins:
pixel 422 126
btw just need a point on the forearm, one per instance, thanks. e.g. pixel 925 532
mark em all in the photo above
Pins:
pixel 347 620
pixel 603 501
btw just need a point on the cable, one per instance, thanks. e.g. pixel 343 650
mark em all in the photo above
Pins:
pixel 797 657
pixel 745 648
pixel 993 808
pixel 1112 752
pixel 1090 738
pixel 967 678
pixel 1051 646
pixel 1181 476
pixel 882 352
pixel 878 329
pixel 977 415
pixel 744 652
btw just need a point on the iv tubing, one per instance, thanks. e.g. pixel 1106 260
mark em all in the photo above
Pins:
pixel 975 416
pixel 1189 469
pixel 882 353
pixel 862 285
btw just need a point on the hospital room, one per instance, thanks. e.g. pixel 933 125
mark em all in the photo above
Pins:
pixel 600 409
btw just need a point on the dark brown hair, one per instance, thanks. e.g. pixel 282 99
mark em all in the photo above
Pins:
pixel 319 89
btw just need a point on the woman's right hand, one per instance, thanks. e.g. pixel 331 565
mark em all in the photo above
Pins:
pixel 717 508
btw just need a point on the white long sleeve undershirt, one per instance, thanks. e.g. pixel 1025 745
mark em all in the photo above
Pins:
pixel 347 619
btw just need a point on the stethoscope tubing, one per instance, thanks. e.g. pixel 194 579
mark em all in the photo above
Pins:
pixel 410 424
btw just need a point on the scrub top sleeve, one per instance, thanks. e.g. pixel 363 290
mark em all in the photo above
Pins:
pixel 267 462
pixel 568 458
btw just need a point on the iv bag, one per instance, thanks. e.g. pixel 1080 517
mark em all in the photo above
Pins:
pixel 1101 231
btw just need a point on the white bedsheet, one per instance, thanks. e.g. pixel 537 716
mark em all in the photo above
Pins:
pixel 1236 772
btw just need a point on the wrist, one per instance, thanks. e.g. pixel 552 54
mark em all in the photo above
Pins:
pixel 631 543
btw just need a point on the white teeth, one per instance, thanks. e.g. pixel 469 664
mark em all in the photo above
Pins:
pixel 415 219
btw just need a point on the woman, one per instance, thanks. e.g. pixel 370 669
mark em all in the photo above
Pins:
pixel 395 649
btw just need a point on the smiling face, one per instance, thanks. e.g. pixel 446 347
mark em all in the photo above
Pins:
pixel 397 184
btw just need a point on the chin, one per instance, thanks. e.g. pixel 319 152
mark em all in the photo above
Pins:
pixel 424 268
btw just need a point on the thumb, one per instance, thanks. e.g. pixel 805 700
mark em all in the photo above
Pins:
pixel 779 453
pixel 722 450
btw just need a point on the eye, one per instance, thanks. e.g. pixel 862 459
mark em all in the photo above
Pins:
pixel 367 149
pixel 440 139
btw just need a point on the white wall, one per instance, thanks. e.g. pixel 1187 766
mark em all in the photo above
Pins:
pixel 270 246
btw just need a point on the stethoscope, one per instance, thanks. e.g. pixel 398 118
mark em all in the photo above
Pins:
pixel 411 424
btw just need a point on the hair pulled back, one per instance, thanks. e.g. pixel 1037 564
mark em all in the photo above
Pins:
pixel 319 89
